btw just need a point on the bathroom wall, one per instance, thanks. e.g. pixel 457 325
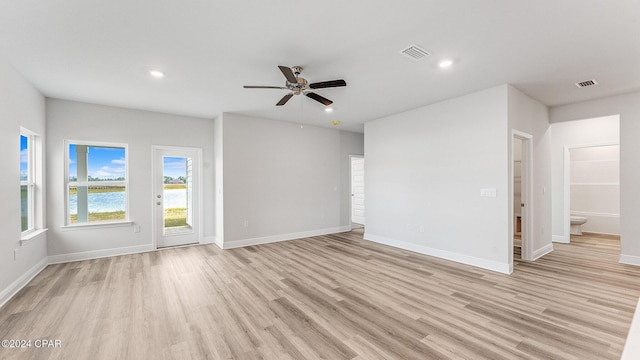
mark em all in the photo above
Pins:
pixel 595 187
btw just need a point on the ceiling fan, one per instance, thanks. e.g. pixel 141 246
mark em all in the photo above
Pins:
pixel 299 85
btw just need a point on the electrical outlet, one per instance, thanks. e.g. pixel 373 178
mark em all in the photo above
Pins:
pixel 15 254
pixel 136 228
pixel 246 223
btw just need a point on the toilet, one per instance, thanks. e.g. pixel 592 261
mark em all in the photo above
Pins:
pixel 576 224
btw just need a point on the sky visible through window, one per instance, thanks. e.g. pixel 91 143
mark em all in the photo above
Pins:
pixel 105 163
pixel 175 167
pixel 24 158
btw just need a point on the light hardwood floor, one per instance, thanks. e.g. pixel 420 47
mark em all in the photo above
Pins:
pixel 326 297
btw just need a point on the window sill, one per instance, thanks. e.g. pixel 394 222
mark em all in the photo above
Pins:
pixel 31 236
pixel 101 225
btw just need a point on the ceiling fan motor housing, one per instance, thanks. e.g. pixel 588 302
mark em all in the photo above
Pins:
pixel 299 86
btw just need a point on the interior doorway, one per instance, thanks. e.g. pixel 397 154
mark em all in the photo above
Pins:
pixel 592 189
pixel 521 209
pixel 176 196
pixel 517 198
pixel 357 191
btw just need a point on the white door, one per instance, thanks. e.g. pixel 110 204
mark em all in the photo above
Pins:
pixel 357 190
pixel 176 196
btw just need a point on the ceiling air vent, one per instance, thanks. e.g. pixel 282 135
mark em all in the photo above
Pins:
pixel 587 83
pixel 415 52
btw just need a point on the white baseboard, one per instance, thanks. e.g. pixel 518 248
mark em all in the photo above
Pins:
pixel 443 254
pixel 537 254
pixel 630 259
pixel 559 239
pixel 208 240
pixel 599 233
pixel 282 237
pixel 22 281
pixel 96 254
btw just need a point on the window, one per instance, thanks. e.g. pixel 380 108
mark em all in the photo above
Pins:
pixel 27 182
pixel 31 186
pixel 96 183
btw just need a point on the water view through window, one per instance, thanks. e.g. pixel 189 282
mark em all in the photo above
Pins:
pixel 97 186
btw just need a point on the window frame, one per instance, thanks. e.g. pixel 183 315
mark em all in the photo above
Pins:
pixel 30 182
pixel 68 184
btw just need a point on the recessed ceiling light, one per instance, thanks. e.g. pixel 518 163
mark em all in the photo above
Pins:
pixel 328 109
pixel 445 63
pixel 156 74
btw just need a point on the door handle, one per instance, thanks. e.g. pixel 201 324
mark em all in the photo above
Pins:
pixel 158 203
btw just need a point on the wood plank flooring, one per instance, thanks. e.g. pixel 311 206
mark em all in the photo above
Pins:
pixel 326 297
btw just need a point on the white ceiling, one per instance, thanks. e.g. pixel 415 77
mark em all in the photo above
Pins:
pixel 100 51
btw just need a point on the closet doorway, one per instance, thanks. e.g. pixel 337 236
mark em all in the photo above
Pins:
pixel 522 207
pixel 357 191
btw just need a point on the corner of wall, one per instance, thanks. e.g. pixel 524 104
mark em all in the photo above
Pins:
pixel 25 109
pixel 10 291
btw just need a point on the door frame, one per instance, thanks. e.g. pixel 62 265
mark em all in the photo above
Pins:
pixel 351 157
pixel 526 173
pixel 155 219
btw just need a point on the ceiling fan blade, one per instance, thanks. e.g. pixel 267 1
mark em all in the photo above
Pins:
pixel 288 73
pixel 263 87
pixel 320 99
pixel 284 99
pixel 328 84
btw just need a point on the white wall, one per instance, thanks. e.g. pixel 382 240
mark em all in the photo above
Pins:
pixel 531 117
pixel 21 105
pixel 421 165
pixel 595 187
pixel 573 134
pixel 628 107
pixel 140 130
pixel 283 181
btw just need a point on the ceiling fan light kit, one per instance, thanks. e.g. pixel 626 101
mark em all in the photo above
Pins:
pixel 300 86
